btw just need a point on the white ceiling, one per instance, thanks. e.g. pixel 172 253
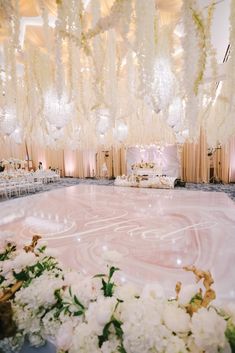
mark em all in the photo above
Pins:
pixel 220 26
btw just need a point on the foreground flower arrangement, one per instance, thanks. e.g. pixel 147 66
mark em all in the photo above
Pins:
pixel 40 300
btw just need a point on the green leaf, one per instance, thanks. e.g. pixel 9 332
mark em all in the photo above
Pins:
pixel 118 328
pixel 2 279
pixel 21 276
pixel 78 302
pixel 42 249
pixel 109 289
pixel 8 250
pixel 57 295
pixel 121 349
pixel 111 271
pixel 99 275
pixel 78 313
pixel 105 335
pixel 230 334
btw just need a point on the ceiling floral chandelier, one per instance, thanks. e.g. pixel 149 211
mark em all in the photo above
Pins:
pixel 107 72
pixel 58 110
pixel 8 122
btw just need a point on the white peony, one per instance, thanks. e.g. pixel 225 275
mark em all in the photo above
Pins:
pixel 176 318
pixel 84 340
pixel 208 330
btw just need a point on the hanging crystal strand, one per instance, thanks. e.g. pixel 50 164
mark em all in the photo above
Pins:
pixel 111 84
pixel 74 29
pixel 46 27
pixel 97 56
pixel 191 57
pixel 59 70
pixel 15 24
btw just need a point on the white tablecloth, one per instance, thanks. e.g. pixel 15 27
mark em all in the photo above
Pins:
pixel 161 182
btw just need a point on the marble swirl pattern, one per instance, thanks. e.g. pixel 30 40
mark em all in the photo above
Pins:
pixel 150 234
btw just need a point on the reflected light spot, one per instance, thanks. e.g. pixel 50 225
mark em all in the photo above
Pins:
pixel 179 261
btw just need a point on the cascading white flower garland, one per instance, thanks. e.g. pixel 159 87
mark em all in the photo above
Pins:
pixel 145 44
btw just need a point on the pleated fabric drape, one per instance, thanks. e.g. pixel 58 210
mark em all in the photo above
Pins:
pixel 196 165
pixel 195 162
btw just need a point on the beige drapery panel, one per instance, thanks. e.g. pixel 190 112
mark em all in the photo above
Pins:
pixel 231 160
pixel 195 164
pixel 8 149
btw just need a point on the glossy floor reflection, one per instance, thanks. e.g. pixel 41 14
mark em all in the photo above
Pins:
pixel 150 234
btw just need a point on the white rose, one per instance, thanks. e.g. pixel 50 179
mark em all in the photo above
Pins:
pixel 176 318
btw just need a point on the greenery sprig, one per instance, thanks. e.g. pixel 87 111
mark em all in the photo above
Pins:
pixel 108 286
pixel 48 263
pixel 65 306
pixel 9 249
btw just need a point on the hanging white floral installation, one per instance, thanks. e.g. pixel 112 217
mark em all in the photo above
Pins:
pixel 115 56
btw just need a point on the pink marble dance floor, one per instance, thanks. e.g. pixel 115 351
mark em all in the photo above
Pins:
pixel 149 234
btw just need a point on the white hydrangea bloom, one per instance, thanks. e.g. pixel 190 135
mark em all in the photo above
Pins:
pixel 187 292
pixel 50 324
pixel 111 345
pixel 18 262
pixel 142 326
pixel 40 292
pixel 99 313
pixel 208 330
pixel 86 289
pixel 22 260
pixel 176 318
pixel 153 290
pixel 176 345
pixel 64 336
pixel 126 291
pixel 230 310
pixel 84 340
